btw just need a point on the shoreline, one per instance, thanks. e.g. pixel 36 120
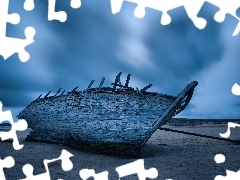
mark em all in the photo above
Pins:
pixel 195 122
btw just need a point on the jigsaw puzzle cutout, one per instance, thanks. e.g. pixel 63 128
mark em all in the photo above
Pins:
pixel 20 125
pixel 10 45
pixel 137 167
pixel 192 8
pixel 7 162
pixel 66 164
pixel 226 9
pixel 208 11
pixel 60 15
pixel 236 89
pixel 52 14
pixel 230 175
pixel 29 5
pixel 228 132
pixel 220 158
pixel 87 173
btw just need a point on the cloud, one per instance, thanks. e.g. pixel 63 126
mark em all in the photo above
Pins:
pixel 214 97
pixel 93 43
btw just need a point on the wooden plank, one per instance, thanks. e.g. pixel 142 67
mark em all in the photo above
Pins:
pixel 171 109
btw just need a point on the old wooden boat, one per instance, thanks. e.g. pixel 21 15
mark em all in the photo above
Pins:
pixel 115 120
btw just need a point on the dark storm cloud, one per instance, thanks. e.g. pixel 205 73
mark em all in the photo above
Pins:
pixel 93 43
pixel 19 81
pixel 180 50
pixel 87 41
pixel 90 38
pixel 63 54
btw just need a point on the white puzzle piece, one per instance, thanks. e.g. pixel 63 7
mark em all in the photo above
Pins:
pixel 66 164
pixel 20 125
pixel 192 9
pixel 10 45
pixel 7 162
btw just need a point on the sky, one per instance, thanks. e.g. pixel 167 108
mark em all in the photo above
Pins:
pixel 94 43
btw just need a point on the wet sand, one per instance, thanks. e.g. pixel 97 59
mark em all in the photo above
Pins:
pixel 174 155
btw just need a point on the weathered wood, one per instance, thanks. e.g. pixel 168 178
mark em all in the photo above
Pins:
pixel 39 97
pixel 141 94
pixel 145 88
pixel 62 92
pixel 104 116
pixel 47 94
pixel 117 81
pixel 173 106
pixel 127 81
pixel 74 89
pixel 102 81
pixel 58 91
pixel 90 85
pixel 170 111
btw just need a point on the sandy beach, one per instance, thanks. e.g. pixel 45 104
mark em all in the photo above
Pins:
pixel 174 155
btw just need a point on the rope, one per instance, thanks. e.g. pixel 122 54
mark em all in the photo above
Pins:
pixel 237 142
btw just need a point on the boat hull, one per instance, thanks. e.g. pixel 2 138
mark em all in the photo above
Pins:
pixel 118 122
